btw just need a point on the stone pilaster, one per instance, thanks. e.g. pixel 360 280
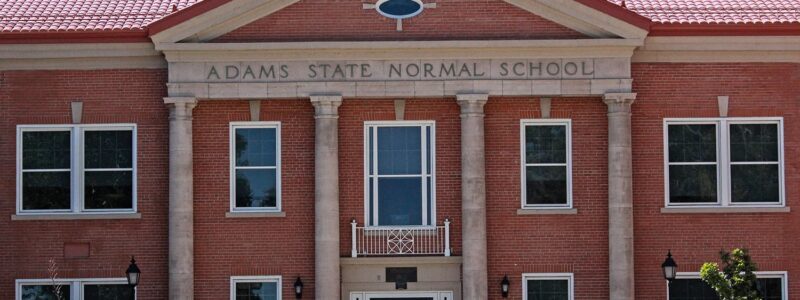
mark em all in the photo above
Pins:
pixel 473 196
pixel 326 196
pixel 620 196
pixel 181 197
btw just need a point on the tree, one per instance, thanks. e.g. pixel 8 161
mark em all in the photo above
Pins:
pixel 736 280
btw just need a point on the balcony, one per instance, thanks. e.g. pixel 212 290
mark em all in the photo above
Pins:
pixel 391 241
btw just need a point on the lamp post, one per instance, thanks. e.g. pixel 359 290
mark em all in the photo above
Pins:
pixel 504 285
pixel 298 288
pixel 133 274
pixel 669 267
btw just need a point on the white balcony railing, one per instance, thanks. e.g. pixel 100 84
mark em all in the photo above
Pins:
pixel 387 241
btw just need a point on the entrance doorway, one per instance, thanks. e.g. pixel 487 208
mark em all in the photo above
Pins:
pixel 401 296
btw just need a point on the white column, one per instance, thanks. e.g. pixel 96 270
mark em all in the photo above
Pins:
pixel 620 196
pixel 326 196
pixel 181 231
pixel 473 196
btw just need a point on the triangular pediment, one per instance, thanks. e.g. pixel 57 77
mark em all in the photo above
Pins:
pixel 448 20
pixel 336 20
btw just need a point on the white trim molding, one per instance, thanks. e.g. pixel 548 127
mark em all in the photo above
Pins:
pixel 249 211
pixel 783 275
pixel 257 279
pixel 76 285
pixel 428 151
pixel 77 171
pixel 723 165
pixel 80 56
pixel 565 208
pixel 569 277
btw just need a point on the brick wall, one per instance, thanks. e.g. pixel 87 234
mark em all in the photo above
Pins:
pixel 339 20
pixel 691 90
pixel 226 247
pixel 109 96
pixel 547 243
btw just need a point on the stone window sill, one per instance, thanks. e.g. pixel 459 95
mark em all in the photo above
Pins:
pixel 549 211
pixel 723 210
pixel 106 216
pixel 253 214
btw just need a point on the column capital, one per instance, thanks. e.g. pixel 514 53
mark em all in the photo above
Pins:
pixel 180 108
pixel 326 106
pixel 472 104
pixel 619 102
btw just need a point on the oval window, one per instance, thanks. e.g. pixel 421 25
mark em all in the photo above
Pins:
pixel 399 9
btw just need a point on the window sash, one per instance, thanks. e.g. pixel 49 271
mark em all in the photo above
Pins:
pixel 77 169
pixel 782 275
pixel 569 277
pixel 256 279
pixel 76 285
pixel 723 162
pixel 524 124
pixel 426 175
pixel 234 167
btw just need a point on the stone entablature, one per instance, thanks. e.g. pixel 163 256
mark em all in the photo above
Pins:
pixel 400 78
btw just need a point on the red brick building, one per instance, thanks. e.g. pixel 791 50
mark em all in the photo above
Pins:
pixel 396 149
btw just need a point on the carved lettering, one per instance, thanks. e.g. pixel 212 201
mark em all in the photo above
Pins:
pixel 213 72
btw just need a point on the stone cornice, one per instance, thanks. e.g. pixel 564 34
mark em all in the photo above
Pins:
pixel 197 52
pixel 80 56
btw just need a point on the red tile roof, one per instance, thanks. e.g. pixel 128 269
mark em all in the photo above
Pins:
pixel 716 11
pixel 20 16
pixel 99 16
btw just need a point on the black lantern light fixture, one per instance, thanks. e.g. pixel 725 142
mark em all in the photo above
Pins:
pixel 298 288
pixel 669 267
pixel 133 273
pixel 504 285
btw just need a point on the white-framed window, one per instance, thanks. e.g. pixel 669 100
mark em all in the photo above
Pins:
pixel 256 288
pixel 70 169
pixel 74 289
pixel 688 286
pixel 723 162
pixel 554 286
pixel 255 166
pixel 399 173
pixel 546 163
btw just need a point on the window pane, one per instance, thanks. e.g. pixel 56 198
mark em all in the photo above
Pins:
pixel 256 188
pixel 399 150
pixel 771 288
pixel 45 292
pixel 692 143
pixel 691 289
pixel 693 184
pixel 256 291
pixel 400 201
pixel 45 150
pixel 108 189
pixel 107 292
pixel 45 190
pixel 546 144
pixel 755 183
pixel 548 290
pixel 546 185
pixel 108 149
pixel 754 142
pixel 256 147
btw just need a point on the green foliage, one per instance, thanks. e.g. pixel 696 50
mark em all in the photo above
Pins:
pixel 736 280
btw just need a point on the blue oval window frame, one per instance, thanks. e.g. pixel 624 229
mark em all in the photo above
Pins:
pixel 410 10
